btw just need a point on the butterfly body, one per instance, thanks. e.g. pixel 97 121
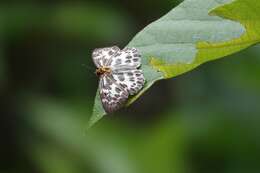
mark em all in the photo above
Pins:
pixel 103 70
pixel 119 75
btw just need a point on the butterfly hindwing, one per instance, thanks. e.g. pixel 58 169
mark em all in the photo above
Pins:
pixel 113 96
pixel 132 80
pixel 103 56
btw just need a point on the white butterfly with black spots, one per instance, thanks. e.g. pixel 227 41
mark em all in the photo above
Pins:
pixel 119 75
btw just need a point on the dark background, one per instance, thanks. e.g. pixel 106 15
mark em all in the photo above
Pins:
pixel 204 121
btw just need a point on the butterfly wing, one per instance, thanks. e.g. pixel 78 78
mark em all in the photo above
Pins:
pixel 124 70
pixel 113 96
pixel 126 58
pixel 102 56
pixel 132 79
pixel 125 78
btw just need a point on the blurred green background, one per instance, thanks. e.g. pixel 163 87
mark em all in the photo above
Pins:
pixel 205 121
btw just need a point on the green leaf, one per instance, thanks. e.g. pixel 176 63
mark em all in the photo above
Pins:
pixel 195 32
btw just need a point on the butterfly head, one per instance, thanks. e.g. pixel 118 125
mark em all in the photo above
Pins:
pixel 103 70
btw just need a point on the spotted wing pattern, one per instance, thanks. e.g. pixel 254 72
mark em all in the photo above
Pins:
pixel 126 58
pixel 113 96
pixel 132 80
pixel 102 56
pixel 125 78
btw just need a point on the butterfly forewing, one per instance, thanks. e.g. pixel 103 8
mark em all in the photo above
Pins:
pixel 103 56
pixel 113 96
pixel 126 58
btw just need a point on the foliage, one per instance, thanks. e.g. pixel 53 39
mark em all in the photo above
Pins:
pixel 189 35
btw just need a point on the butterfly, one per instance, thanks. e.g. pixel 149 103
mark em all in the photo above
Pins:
pixel 118 74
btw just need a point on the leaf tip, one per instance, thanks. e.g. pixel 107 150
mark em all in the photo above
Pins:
pixel 97 113
pixel 94 119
